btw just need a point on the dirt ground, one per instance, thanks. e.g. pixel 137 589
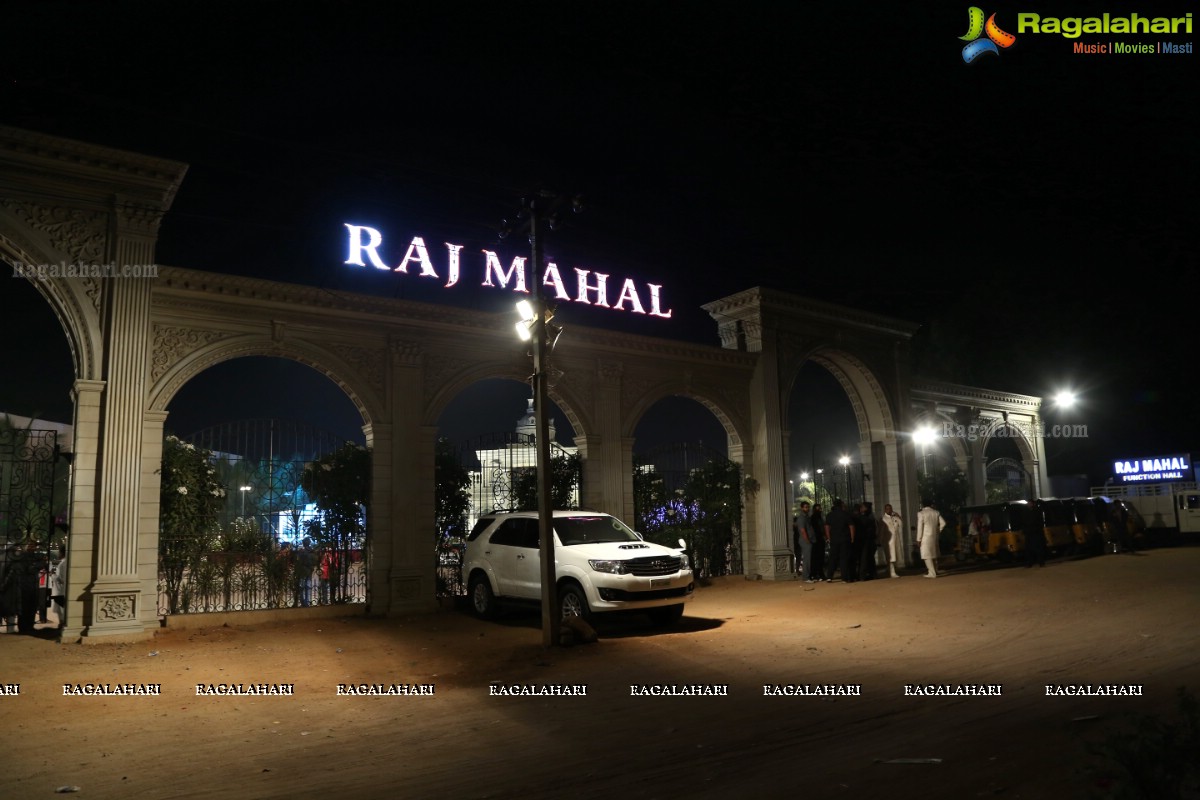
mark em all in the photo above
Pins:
pixel 1106 620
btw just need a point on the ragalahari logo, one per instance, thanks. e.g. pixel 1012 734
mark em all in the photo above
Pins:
pixel 976 27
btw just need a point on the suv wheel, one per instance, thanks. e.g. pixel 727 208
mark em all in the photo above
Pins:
pixel 573 603
pixel 483 601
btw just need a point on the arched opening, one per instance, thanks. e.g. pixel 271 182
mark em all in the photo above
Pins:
pixel 265 488
pixel 841 449
pixel 1006 476
pixel 486 461
pixel 822 431
pixel 686 487
pixel 36 439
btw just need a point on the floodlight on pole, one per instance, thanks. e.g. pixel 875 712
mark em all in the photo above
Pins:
pixel 924 437
pixel 535 327
pixel 1064 398
pixel 243 490
pixel 528 320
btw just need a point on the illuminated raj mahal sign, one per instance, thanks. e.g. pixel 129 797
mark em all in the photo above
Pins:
pixel 590 288
pixel 1164 468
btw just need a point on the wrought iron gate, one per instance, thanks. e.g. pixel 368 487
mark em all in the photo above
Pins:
pixel 28 501
pixel 269 546
pixel 835 481
pixel 502 477
pixel 693 492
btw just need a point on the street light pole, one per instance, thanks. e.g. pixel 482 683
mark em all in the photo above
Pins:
pixel 551 616
pixel 542 209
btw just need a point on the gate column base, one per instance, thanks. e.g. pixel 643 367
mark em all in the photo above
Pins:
pixel 771 565
pixel 115 611
pixel 411 591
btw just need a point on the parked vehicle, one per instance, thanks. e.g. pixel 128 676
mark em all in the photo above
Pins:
pixel 1000 530
pixel 1123 524
pixel 1057 519
pixel 1091 527
pixel 600 566
pixel 996 530
pixel 1173 507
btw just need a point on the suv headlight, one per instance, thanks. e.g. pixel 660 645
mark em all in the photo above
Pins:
pixel 607 565
pixel 684 564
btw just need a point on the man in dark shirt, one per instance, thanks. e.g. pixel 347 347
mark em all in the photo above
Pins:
pixel 802 528
pixel 840 530
pixel 866 542
pixel 24 570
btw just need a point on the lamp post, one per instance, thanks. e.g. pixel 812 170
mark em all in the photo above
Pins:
pixel 244 489
pixel 845 462
pixel 538 210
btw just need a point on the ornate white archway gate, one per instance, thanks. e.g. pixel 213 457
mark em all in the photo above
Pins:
pixel 137 341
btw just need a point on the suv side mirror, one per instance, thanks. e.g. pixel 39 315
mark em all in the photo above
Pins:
pixel 682 544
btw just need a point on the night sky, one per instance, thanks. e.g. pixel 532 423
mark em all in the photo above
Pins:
pixel 1033 209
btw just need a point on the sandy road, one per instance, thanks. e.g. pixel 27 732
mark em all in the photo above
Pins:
pixel 1109 620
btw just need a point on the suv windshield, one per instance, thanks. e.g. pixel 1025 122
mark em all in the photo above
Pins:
pixel 591 530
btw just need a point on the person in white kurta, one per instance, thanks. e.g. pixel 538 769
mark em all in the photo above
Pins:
pixel 890 536
pixel 58 586
pixel 929 525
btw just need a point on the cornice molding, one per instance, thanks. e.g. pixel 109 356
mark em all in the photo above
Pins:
pixel 69 157
pixel 938 391
pixel 758 303
pixel 196 290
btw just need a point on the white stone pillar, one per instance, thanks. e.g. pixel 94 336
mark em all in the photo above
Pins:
pixel 411 576
pixel 117 592
pixel 609 476
pixel 380 520
pixel 81 543
pixel 148 523
pixel 771 534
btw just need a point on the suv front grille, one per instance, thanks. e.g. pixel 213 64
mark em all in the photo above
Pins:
pixel 653 565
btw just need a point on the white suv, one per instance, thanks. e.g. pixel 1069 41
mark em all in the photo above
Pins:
pixel 601 565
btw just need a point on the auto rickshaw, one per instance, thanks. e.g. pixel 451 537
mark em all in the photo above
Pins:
pixel 1124 526
pixel 995 530
pixel 1089 525
pixel 1056 519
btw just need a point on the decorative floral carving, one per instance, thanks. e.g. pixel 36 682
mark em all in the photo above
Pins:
pixel 171 344
pixel 633 390
pixel 79 234
pixel 439 370
pixel 368 362
pixel 115 607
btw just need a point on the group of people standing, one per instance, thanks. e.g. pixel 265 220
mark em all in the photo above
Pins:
pixel 29 582
pixel 305 561
pixel 844 541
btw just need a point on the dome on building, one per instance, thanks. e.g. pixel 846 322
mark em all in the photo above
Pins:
pixel 527 424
